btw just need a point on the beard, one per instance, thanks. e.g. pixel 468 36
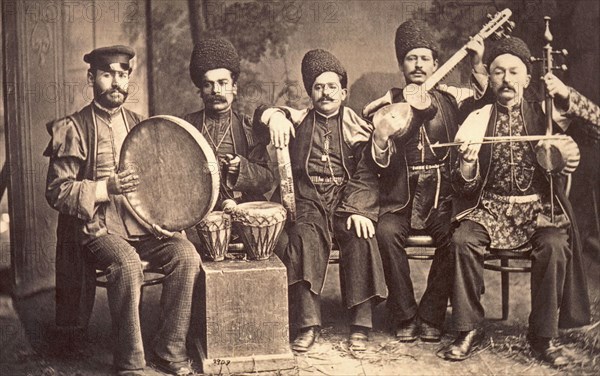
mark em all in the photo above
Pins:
pixel 111 98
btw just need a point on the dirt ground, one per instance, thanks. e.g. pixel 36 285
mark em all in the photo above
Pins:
pixel 26 325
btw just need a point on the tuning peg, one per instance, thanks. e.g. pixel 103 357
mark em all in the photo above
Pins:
pixel 561 68
pixel 489 16
pixel 562 52
pixel 534 59
pixel 510 25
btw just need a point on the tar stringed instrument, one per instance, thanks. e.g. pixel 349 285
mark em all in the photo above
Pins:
pixel 417 96
pixel 554 155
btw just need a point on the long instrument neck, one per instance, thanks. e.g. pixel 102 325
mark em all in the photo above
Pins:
pixel 445 69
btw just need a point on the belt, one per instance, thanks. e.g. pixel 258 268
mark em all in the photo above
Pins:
pixel 425 167
pixel 326 179
pixel 512 199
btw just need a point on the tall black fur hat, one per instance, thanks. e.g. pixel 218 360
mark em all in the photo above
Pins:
pixel 413 34
pixel 317 62
pixel 213 53
pixel 511 45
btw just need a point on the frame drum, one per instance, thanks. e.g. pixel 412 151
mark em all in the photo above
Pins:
pixel 178 172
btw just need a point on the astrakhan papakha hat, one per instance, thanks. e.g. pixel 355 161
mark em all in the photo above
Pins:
pixel 213 53
pixel 317 62
pixel 413 34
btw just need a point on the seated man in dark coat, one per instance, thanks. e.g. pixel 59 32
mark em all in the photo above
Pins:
pixel 331 180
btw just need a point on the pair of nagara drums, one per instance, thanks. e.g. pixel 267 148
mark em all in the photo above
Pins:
pixel 179 186
pixel 258 225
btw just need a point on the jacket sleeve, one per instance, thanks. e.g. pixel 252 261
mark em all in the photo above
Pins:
pixel 254 176
pixel 361 194
pixel 585 115
pixel 66 191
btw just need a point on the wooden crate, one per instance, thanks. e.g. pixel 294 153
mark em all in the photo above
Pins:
pixel 243 317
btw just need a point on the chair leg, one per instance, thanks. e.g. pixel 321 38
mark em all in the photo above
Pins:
pixel 504 279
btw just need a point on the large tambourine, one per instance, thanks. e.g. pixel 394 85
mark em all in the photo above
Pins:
pixel 178 172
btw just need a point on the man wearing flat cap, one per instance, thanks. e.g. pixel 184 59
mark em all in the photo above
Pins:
pixel 415 190
pixel 503 202
pixel 97 231
pixel 326 146
pixel 239 146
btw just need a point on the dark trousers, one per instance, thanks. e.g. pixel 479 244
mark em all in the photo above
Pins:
pixel 549 259
pixel 305 307
pixel 362 281
pixel 392 230
pixel 180 262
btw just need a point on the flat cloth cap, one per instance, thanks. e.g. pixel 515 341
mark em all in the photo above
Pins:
pixel 317 62
pixel 213 53
pixel 110 58
pixel 413 34
pixel 511 45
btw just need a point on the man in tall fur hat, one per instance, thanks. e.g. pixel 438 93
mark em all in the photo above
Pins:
pixel 503 201
pixel 96 230
pixel 239 147
pixel 330 176
pixel 415 190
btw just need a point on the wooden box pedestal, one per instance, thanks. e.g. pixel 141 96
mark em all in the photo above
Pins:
pixel 244 317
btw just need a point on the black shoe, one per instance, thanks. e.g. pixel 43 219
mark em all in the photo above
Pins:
pixel 430 333
pixel 544 350
pixel 306 338
pixel 464 345
pixel 407 330
pixel 182 368
pixel 359 336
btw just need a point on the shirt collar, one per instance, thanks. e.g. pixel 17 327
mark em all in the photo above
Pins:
pixel 327 117
pixel 107 111
pixel 506 109
pixel 213 115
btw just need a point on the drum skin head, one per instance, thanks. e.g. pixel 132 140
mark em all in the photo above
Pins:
pixel 178 172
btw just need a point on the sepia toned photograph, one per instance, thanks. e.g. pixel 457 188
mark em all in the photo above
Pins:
pixel 299 187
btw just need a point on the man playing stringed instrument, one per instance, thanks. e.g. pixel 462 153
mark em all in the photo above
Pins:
pixel 330 176
pixel 504 200
pixel 415 189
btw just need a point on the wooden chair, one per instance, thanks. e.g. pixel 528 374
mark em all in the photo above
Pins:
pixel 504 256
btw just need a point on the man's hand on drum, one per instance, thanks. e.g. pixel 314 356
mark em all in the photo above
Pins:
pixel 362 225
pixel 125 181
pixel 280 129
pixel 160 232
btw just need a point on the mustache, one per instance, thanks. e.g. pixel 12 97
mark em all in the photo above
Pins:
pixel 114 90
pixel 506 86
pixel 417 71
pixel 326 98
pixel 216 99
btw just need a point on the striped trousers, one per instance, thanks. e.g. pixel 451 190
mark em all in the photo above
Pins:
pixel 122 259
